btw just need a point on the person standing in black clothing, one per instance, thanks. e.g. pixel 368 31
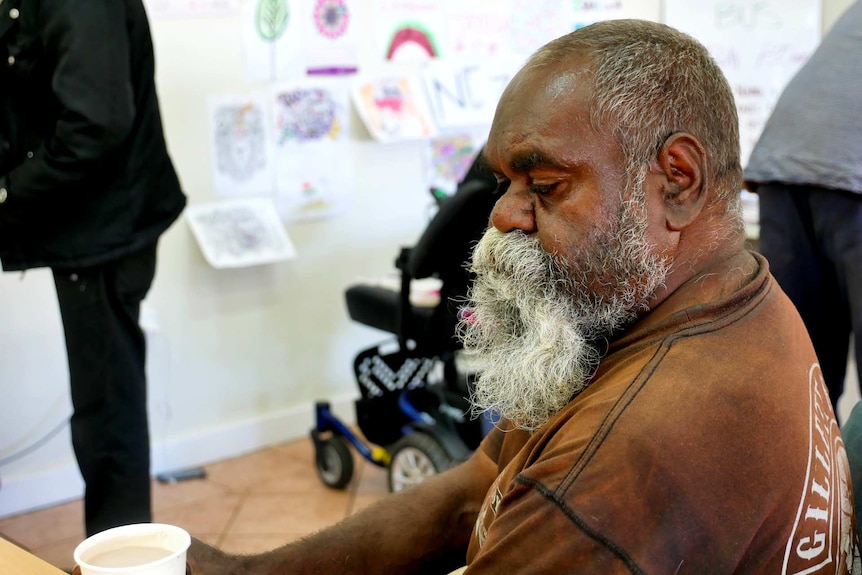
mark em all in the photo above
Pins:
pixel 86 189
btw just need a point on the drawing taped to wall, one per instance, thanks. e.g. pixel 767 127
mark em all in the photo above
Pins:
pixel 758 45
pixel 463 96
pixel 314 167
pixel 465 18
pixel 449 158
pixel 331 18
pixel 409 32
pixel 392 108
pixel 535 22
pixel 271 22
pixel 306 114
pixel 273 39
pixel 332 46
pixel 411 38
pixel 239 142
pixel 238 233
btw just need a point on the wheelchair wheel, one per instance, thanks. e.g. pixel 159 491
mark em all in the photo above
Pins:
pixel 334 462
pixel 415 458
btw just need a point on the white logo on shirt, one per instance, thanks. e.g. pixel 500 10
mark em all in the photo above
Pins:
pixel 822 533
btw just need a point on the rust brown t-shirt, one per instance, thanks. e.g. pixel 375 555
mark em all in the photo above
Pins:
pixel 705 444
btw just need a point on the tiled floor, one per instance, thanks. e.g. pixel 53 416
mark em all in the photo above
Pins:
pixel 244 505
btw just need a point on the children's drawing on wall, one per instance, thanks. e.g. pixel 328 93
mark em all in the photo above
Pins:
pixel 534 23
pixel 449 158
pixel 333 38
pixel 759 46
pixel 331 18
pixel 409 31
pixel 305 115
pixel 239 145
pixel 169 9
pixel 392 108
pixel 240 232
pixel 466 19
pixel 314 166
pixel 464 95
pixel 273 39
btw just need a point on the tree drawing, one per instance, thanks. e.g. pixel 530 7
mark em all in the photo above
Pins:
pixel 272 19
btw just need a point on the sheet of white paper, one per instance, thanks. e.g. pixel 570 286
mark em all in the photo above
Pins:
pixel 759 46
pixel 313 157
pixel 464 95
pixel 332 40
pixel 239 232
pixel 463 21
pixel 534 23
pixel 393 108
pixel 240 145
pixel 273 37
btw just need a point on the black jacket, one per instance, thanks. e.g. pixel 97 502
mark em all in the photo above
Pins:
pixel 83 161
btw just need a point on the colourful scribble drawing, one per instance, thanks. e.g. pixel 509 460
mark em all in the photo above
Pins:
pixel 306 114
pixel 451 157
pixel 240 141
pixel 537 22
pixel 412 34
pixel 331 17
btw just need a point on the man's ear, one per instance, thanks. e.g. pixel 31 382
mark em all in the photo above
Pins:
pixel 682 161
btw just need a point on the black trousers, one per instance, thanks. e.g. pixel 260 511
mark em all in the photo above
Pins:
pixel 812 238
pixel 106 348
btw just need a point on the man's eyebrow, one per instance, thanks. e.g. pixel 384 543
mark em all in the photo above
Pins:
pixel 526 161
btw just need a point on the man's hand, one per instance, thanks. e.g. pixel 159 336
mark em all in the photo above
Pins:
pixel 204 559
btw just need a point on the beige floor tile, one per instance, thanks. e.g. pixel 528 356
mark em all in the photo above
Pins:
pixel 301 449
pixel 45 526
pixel 289 513
pixel 241 473
pixel 204 516
pixel 293 476
pixel 169 495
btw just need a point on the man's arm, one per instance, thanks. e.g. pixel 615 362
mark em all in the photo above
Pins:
pixel 87 50
pixel 399 535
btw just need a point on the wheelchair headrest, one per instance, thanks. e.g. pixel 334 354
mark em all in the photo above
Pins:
pixel 447 243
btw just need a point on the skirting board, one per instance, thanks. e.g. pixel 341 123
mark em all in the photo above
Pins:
pixel 59 485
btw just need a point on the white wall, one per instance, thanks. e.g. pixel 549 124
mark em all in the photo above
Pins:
pixel 237 357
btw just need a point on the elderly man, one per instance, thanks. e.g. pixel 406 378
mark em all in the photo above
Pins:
pixel 663 408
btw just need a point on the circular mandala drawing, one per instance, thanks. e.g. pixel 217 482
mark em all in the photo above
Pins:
pixel 331 17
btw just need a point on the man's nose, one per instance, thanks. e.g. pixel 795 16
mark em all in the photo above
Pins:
pixel 514 212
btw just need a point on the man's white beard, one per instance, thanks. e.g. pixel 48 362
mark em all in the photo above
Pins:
pixel 535 321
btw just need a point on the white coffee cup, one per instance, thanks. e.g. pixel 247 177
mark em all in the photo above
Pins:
pixel 139 549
